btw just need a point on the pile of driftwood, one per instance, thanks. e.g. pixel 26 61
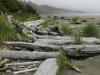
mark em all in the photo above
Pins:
pixel 41 44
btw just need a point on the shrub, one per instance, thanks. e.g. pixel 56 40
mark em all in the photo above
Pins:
pixel 90 30
pixel 45 24
pixel 66 30
pixel 78 40
pixel 63 61
pixel 74 19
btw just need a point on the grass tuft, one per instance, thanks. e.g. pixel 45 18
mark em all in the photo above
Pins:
pixel 78 40
pixel 91 30
pixel 63 62
pixel 66 30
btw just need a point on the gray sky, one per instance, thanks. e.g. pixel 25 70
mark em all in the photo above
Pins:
pixel 92 6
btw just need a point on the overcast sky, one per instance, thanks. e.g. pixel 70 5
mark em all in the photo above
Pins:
pixel 84 5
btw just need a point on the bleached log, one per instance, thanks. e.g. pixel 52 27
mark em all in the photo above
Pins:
pixel 22 63
pixel 48 67
pixel 33 45
pixel 24 71
pixel 82 50
pixel 27 55
pixel 53 37
pixel 54 42
pixel 3 62
pixel 64 40
pixel 32 24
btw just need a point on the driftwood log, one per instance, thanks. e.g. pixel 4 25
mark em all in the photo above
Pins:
pixel 27 55
pixel 32 24
pixel 82 50
pixel 84 39
pixel 54 42
pixel 34 46
pixel 48 67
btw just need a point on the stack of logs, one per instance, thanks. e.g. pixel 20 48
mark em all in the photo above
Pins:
pixel 40 45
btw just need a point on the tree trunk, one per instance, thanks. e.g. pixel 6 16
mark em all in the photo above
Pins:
pixel 27 55
pixel 82 50
pixel 48 67
pixel 34 46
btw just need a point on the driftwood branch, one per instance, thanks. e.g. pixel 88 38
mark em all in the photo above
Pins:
pixel 24 71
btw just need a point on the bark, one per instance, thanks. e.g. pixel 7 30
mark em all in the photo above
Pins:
pixel 24 55
pixel 82 50
pixel 34 46
pixel 48 67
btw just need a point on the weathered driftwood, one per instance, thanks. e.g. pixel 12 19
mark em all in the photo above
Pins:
pixel 3 62
pixel 34 46
pixel 48 67
pixel 53 37
pixel 82 50
pixel 22 63
pixel 27 55
pixel 84 39
pixel 24 71
pixel 32 24
pixel 54 42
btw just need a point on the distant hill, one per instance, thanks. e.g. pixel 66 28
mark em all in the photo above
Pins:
pixel 49 9
pixel 46 9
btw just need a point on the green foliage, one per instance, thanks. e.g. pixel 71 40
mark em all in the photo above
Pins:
pixel 55 17
pixel 45 24
pixel 14 6
pixel 74 19
pixel 90 30
pixel 6 32
pixel 78 40
pixel 66 30
pixel 29 9
pixel 26 17
pixel 63 62
pixel 98 23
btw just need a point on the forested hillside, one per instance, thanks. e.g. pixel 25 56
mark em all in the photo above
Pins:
pixel 15 6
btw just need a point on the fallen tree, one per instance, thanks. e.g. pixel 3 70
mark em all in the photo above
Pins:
pixel 33 46
pixel 27 55
pixel 82 50
pixel 48 67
